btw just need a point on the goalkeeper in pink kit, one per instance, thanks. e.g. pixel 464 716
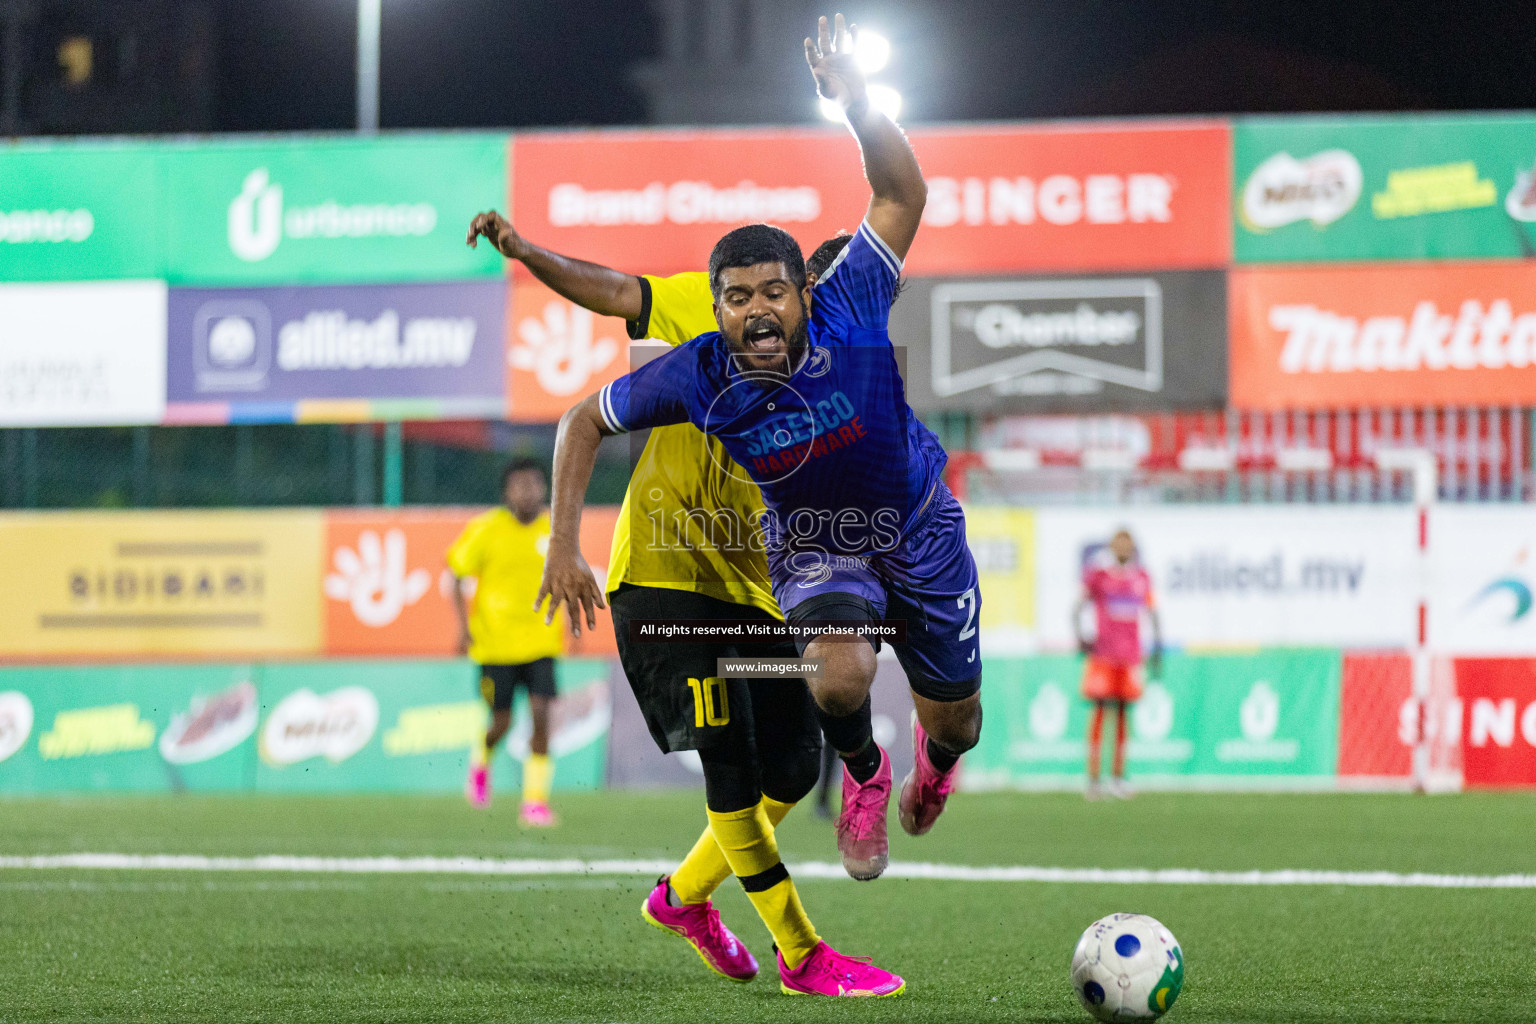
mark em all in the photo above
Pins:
pixel 1120 591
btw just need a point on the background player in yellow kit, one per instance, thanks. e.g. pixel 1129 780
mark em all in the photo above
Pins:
pixel 503 550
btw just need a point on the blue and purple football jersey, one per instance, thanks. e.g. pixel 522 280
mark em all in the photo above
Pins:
pixel 851 479
pixel 842 462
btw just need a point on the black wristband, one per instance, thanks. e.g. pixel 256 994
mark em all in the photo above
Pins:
pixel 641 325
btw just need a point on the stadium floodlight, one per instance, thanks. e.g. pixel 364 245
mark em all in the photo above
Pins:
pixel 885 99
pixel 882 97
pixel 872 50
pixel 368 18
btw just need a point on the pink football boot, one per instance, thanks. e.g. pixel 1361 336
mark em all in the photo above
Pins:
pixel 861 837
pixel 477 788
pixel 826 972
pixel 700 926
pixel 925 789
pixel 538 815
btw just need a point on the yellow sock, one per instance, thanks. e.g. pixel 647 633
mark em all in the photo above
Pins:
pixel 538 776
pixel 702 871
pixel 479 753
pixel 746 839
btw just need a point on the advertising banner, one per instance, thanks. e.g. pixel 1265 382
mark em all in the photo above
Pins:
pixel 1498 701
pixel 128 727
pixel 1479 721
pixel 331 210
pixel 1378 717
pixel 387 585
pixel 1148 341
pixel 1111 196
pixel 1000 200
pixel 80 212
pixel 1239 576
pixel 557 353
pixel 387 591
pixel 1482 561
pixel 1410 187
pixel 1263 719
pixel 404 726
pixel 1002 541
pixel 138 584
pixel 266 347
pixel 82 354
pixel 336 726
pixel 1384 336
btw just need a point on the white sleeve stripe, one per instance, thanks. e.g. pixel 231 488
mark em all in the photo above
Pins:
pixel 836 262
pixel 605 407
pixel 881 247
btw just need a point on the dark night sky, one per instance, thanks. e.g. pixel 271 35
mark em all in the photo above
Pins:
pixel 288 64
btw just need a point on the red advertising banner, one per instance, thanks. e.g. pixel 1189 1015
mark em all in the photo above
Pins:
pixel 1383 336
pixel 1108 197
pixel 1492 711
pixel 1008 199
pixel 1375 689
pixel 388 592
pixel 557 352
pixel 1498 699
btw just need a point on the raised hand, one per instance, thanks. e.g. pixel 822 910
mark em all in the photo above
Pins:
pixel 832 62
pixel 568 580
pixel 499 232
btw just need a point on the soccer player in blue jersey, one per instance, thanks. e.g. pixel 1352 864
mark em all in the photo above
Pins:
pixel 860 526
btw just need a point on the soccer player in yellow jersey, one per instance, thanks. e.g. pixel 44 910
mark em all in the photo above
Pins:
pixel 683 550
pixel 503 551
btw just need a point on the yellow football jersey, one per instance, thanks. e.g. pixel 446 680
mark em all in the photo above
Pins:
pixel 506 558
pixel 671 531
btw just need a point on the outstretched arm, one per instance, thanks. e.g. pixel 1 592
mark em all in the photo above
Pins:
pixel 1084 644
pixel 567 578
pixel 601 289
pixel 896 206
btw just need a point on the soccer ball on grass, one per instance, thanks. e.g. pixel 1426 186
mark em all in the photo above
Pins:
pixel 1127 967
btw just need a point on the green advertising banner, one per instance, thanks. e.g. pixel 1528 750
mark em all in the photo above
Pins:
pixel 409 725
pixel 1384 188
pixel 80 212
pixel 331 211
pixel 1268 719
pixel 336 726
pixel 128 727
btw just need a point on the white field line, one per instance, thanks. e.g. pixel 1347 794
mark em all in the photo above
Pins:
pixel 810 870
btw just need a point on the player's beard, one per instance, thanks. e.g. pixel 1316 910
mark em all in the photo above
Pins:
pixel 780 370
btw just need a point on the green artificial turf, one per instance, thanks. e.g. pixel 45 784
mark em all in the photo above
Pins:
pixel 94 945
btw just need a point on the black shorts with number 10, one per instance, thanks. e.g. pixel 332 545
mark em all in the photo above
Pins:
pixel 685 705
